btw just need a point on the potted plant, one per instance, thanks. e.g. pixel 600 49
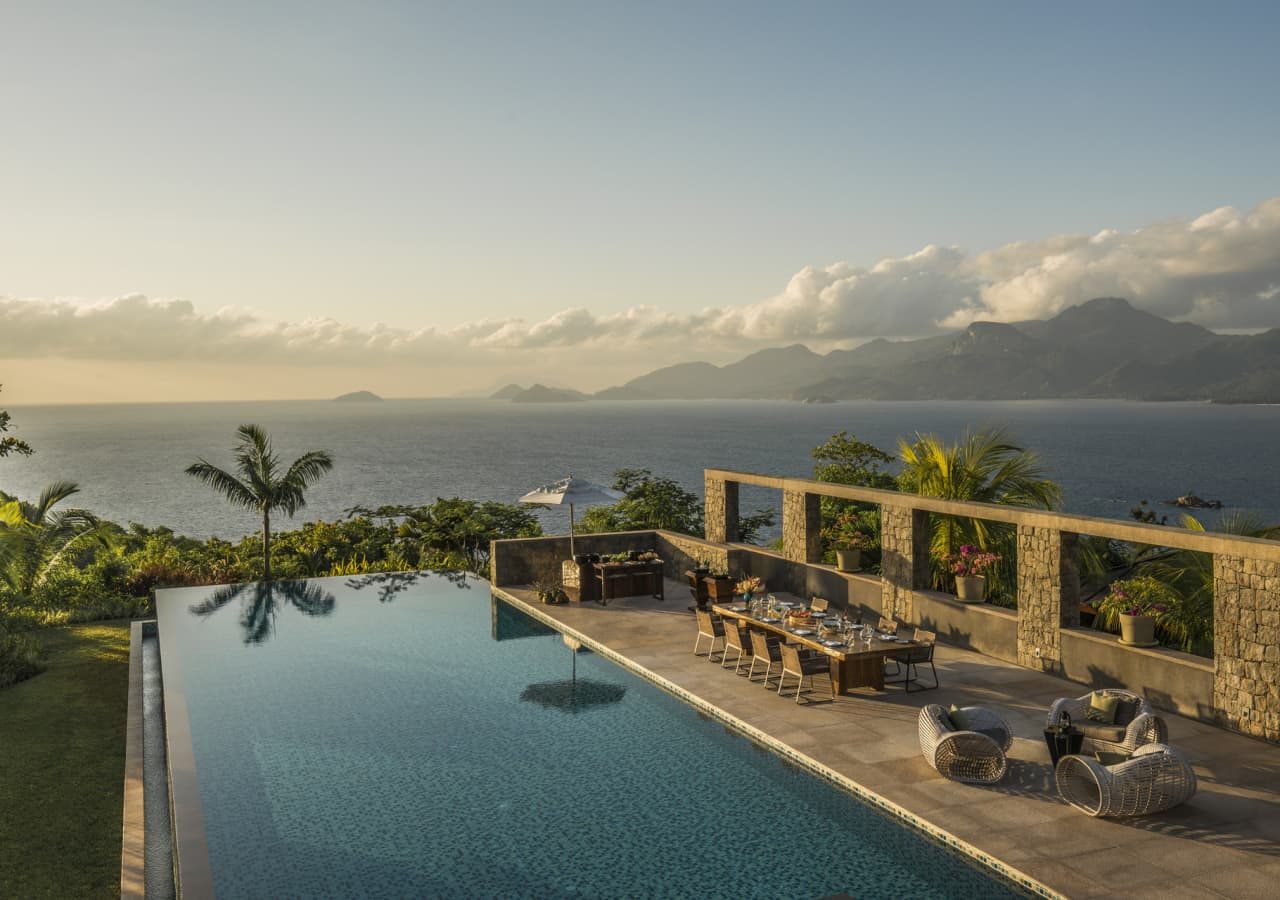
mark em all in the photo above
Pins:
pixel 969 567
pixel 1136 604
pixel 849 540
pixel 551 592
pixel 749 587
pixel 720 586
pixel 702 567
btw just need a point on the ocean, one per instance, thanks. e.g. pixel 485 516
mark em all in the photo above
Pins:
pixel 129 459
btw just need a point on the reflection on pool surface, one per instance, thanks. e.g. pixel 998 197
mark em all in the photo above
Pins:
pixel 408 736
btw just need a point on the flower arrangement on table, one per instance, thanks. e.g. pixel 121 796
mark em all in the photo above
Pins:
pixel 750 586
pixel 971 562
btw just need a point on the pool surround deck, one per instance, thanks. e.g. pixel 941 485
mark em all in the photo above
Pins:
pixel 1224 842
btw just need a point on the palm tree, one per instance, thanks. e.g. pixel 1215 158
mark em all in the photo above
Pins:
pixel 984 466
pixel 36 537
pixel 260 485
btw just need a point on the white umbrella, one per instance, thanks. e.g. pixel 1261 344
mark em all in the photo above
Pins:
pixel 573 491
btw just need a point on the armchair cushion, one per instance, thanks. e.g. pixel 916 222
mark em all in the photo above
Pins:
pixel 1111 758
pixel 959 719
pixel 1102 708
pixel 1097 731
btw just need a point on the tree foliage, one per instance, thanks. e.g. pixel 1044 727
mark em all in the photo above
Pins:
pixel 10 445
pixel 260 484
pixel 843 459
pixel 654 502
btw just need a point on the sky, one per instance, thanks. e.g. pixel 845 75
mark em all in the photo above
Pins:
pixel 233 201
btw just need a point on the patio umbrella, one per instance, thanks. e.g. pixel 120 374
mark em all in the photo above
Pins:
pixel 571 491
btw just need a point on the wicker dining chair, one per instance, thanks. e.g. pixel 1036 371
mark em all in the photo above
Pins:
pixel 1136 723
pixel 975 755
pixel 711 628
pixel 734 644
pixel 1155 778
pixel 803 667
pixel 764 651
pixel 913 657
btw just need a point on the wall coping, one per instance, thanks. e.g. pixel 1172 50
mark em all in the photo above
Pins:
pixel 1165 654
pixel 1115 529
pixel 985 609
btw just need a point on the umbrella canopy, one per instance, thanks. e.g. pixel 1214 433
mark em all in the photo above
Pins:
pixel 571 491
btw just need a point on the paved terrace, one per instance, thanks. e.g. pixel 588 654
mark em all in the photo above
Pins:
pixel 1225 842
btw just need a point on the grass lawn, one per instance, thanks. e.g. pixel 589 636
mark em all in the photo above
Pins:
pixel 61 783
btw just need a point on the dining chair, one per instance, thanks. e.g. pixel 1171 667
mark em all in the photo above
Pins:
pixel 913 657
pixel 889 626
pixel 713 630
pixel 734 643
pixel 818 604
pixel 764 651
pixel 803 667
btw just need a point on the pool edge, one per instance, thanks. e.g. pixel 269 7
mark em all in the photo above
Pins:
pixel 985 860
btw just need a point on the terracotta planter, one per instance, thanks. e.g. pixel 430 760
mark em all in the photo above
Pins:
pixel 1137 631
pixel 848 560
pixel 971 588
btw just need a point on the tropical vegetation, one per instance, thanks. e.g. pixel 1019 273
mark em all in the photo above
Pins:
pixel 260 485
pixel 650 501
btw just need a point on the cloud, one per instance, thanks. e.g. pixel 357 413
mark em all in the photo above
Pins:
pixel 1221 270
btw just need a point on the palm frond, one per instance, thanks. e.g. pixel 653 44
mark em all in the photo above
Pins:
pixel 235 491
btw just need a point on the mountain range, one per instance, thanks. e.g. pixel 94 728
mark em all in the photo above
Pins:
pixel 1104 348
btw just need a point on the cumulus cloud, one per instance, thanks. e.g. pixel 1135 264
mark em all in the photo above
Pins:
pixel 1221 270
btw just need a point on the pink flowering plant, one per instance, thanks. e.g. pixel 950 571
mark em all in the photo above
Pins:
pixel 844 532
pixel 1139 596
pixel 971 561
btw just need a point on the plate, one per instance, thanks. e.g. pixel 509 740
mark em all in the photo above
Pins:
pixel 802 632
pixel 738 608
pixel 832 644
pixel 770 620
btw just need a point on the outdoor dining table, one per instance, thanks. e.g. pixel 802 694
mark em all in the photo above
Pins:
pixel 852 666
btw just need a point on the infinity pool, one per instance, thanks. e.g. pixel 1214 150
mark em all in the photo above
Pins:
pixel 411 736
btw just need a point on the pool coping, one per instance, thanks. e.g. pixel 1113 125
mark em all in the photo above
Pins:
pixel 985 860
pixel 192 871
pixel 133 884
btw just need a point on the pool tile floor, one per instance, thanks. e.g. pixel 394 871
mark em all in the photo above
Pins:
pixel 1225 842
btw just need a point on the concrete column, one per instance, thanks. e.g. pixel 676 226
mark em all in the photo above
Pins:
pixel 1246 645
pixel 1048 593
pixel 904 559
pixel 802 526
pixel 720 505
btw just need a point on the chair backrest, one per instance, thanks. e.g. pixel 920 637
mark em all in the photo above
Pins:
pixel 790 657
pixel 923 636
pixel 761 647
pixel 818 604
pixel 704 621
pixel 733 634
pixel 888 626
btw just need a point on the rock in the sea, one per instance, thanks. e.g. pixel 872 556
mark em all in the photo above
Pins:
pixel 358 397
pixel 1191 501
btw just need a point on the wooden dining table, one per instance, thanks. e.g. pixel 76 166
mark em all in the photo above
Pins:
pixel 851 666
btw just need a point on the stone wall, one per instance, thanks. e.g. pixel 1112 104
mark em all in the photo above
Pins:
pixel 1246 644
pixel 1048 594
pixel 801 526
pixel 904 559
pixel 720 507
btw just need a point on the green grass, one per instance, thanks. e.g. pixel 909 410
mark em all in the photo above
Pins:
pixel 61 783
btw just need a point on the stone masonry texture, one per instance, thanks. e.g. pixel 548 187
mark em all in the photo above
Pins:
pixel 1246 639
pixel 802 526
pixel 720 506
pixel 1048 594
pixel 904 560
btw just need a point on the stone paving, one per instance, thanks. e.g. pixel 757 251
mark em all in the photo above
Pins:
pixel 1225 842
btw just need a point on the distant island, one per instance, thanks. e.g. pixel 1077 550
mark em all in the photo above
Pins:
pixel 358 397
pixel 509 392
pixel 1102 349
pixel 540 393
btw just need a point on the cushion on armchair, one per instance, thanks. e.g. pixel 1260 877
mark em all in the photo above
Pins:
pixel 1103 708
pixel 959 721
pixel 1097 731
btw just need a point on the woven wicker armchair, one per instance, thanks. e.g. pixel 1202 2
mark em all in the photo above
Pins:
pixel 975 756
pixel 1157 777
pixel 1136 722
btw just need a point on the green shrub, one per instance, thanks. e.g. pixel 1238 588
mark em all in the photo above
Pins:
pixel 21 656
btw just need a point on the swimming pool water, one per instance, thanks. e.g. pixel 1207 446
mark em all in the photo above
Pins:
pixel 411 736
